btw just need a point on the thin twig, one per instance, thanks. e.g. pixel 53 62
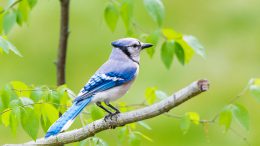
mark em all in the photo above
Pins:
pixel 239 95
pixel 11 6
pixel 22 106
pixel 240 135
pixel 203 121
pixel 29 90
pixel 72 95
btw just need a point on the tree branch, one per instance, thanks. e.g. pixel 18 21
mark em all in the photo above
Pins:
pixel 122 119
pixel 64 33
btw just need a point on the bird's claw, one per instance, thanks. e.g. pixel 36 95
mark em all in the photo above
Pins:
pixel 107 116
pixel 110 116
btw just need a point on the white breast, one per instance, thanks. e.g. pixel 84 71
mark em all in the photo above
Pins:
pixel 113 93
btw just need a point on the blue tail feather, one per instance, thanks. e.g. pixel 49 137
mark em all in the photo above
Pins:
pixel 70 114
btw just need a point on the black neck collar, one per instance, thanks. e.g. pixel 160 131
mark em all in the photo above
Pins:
pixel 127 53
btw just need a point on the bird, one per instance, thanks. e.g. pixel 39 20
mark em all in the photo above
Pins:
pixel 110 82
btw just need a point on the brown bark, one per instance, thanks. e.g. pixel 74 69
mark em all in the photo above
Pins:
pixel 63 42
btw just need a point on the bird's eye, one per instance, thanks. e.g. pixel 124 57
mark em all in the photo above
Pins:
pixel 135 45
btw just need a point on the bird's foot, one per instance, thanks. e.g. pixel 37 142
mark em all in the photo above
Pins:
pixel 110 116
pixel 107 117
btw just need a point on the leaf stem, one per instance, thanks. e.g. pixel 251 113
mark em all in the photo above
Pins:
pixel 11 6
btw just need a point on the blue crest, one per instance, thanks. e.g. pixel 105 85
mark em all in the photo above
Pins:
pixel 125 42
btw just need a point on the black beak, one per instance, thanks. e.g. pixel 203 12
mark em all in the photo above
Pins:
pixel 146 45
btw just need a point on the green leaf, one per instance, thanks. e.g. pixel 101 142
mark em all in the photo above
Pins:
pixel 1 105
pixel 65 102
pixel 194 117
pixel 9 21
pixel 84 142
pixel 150 95
pixel 150 51
pixel 145 125
pixel 32 3
pixel 45 123
pixel 155 9
pixel 14 49
pixel 256 81
pixel 153 38
pixel 241 114
pixel 255 91
pixel 6 46
pixel 195 45
pixel 27 102
pixel 185 42
pixel 185 124
pixel 127 12
pixel 54 97
pixel 19 19
pixel 132 126
pixel 5 99
pixel 95 141
pixel 30 122
pixel 36 94
pixel 171 34
pixel 1 50
pixel 167 53
pixel 123 133
pixel 23 12
pixel 161 95
pixel 10 3
pixel 143 135
pixel 111 15
pixel 98 141
pixel 50 112
pixel 225 118
pixel 179 53
pixel 134 140
pixel 7 95
pixel 188 51
pixel 15 106
pixel 1 25
pixel 14 118
pixel 96 113
pixel 21 89
pixel 6 118
pixel 64 98
pixel 122 106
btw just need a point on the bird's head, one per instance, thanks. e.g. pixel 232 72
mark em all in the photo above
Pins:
pixel 130 46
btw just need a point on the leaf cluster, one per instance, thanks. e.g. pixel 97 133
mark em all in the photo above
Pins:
pixel 31 107
pixel 15 12
pixel 170 42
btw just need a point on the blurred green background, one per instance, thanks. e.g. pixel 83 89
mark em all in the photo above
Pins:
pixel 229 30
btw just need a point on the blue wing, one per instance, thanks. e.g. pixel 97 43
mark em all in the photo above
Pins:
pixel 104 81
pixel 99 82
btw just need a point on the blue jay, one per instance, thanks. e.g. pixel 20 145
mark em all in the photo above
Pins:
pixel 110 82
